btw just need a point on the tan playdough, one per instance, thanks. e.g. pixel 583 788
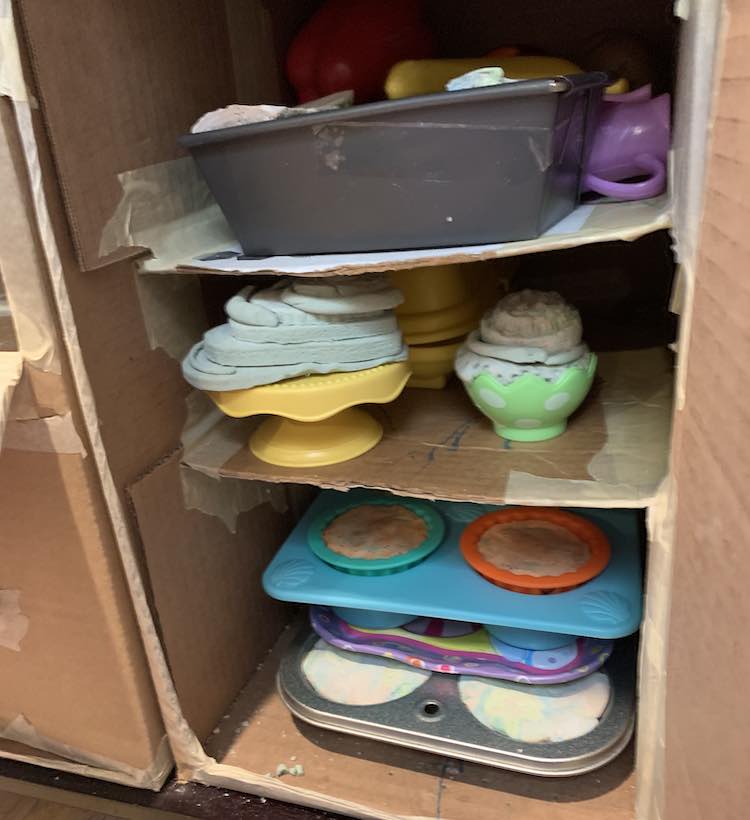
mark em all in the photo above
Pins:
pixel 374 531
pixel 537 548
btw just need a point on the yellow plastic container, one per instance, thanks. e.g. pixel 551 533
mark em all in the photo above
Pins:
pixel 432 365
pixel 427 328
pixel 313 423
pixel 429 289
pixel 413 77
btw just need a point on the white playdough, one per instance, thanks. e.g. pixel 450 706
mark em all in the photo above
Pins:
pixel 267 340
pixel 358 680
pixel 469 365
pixel 537 714
pixel 336 295
pixel 205 374
pixel 522 355
pixel 533 319
pixel 222 347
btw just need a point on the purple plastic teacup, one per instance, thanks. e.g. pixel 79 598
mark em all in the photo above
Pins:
pixel 631 139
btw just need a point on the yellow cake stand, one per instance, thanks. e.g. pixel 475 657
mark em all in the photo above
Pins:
pixel 314 421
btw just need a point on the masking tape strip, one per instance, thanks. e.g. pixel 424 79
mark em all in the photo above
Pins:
pixel 20 730
pixel 54 434
pixel 11 366
pixel 203 489
pixel 652 663
pixel 13 623
pixel 699 55
pixel 173 311
pixel 185 743
pixel 11 74
pixel 23 266
pixel 168 209
pixel 630 466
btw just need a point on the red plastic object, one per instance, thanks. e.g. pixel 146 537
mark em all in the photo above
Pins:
pixel 352 44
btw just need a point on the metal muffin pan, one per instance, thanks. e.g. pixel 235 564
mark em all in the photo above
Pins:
pixel 434 719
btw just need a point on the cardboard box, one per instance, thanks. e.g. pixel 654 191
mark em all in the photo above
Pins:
pixel 76 694
pixel 109 182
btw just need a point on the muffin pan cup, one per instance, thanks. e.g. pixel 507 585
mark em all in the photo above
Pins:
pixel 584 530
pixel 378 566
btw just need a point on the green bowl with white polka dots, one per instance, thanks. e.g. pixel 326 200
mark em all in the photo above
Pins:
pixel 531 408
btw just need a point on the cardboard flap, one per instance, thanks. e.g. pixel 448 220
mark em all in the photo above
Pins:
pixel 170 63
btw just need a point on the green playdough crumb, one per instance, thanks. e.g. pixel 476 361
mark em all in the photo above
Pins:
pixel 295 771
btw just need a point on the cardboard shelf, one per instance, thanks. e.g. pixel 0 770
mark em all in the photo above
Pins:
pixel 437 445
pixel 204 243
pixel 259 731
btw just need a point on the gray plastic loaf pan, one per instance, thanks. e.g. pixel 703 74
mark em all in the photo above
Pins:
pixel 469 167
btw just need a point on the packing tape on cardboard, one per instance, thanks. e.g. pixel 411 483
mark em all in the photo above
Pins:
pixel 23 266
pixel 54 434
pixel 11 366
pixel 636 419
pixel 173 311
pixel 652 661
pixel 681 302
pixel 168 209
pixel 203 489
pixel 20 730
pixel 11 74
pixel 167 696
pixel 13 623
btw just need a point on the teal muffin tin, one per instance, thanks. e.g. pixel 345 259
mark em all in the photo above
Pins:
pixel 443 585
pixel 377 566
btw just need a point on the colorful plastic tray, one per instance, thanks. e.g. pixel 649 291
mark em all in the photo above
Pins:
pixel 475 652
pixel 445 586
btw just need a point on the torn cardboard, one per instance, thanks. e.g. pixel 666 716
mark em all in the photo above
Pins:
pixel 13 623
pixel 21 731
pixel 11 365
pixel 184 68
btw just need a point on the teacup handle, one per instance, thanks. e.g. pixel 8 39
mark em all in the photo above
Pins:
pixel 652 186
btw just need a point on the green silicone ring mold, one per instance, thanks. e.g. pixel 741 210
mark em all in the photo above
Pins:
pixel 377 566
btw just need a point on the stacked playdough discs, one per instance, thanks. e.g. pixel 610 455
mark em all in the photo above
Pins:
pixel 299 327
pixel 526 367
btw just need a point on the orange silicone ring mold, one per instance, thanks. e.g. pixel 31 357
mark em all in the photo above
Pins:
pixel 589 533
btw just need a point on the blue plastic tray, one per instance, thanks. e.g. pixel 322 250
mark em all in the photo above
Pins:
pixel 445 586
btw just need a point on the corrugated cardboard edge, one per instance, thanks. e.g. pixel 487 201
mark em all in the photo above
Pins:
pixel 700 55
pixel 174 721
pixel 21 733
pixel 232 777
pixel 53 434
pixel 11 365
